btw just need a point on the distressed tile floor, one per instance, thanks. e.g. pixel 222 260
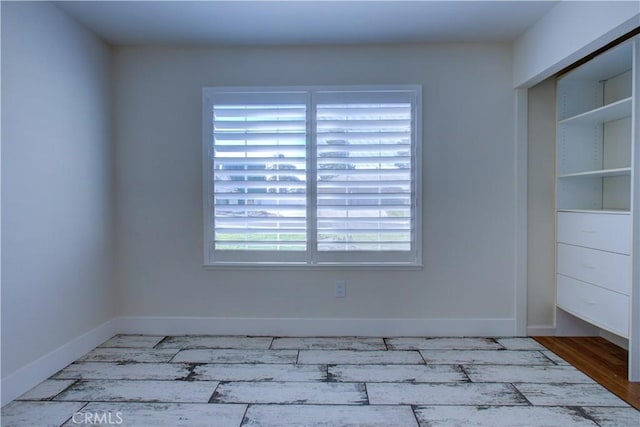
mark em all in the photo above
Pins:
pixel 134 380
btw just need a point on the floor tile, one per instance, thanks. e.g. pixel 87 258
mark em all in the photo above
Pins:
pixel 169 414
pixel 140 391
pixel 555 358
pixel 525 374
pixel 329 343
pixel 518 343
pixel 501 416
pixel 329 415
pixel 38 414
pixel 397 373
pixel 442 344
pixel 237 356
pixel 124 371
pixel 319 357
pixel 322 381
pixel 260 372
pixel 443 394
pixel 291 393
pixel 485 357
pixel 201 341
pixel 128 355
pixel 46 390
pixel 568 395
pixel 136 341
pixel 614 417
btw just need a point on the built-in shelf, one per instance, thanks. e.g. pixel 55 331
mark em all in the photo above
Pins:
pixel 601 173
pixel 599 211
pixel 608 113
pixel 597 145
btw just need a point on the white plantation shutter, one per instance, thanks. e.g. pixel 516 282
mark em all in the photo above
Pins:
pixel 365 157
pixel 259 176
pixel 311 176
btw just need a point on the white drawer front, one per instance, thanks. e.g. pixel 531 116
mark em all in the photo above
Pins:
pixel 606 269
pixel 606 309
pixel 608 232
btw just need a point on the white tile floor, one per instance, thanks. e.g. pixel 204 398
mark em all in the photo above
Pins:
pixel 134 380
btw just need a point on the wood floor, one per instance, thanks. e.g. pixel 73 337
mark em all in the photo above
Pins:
pixel 603 361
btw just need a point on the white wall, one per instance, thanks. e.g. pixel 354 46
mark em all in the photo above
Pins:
pixel 57 199
pixel 541 208
pixel 468 185
pixel 567 33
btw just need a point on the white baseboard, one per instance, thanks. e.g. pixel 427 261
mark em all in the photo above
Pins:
pixel 615 339
pixel 541 331
pixel 316 327
pixel 568 325
pixel 27 377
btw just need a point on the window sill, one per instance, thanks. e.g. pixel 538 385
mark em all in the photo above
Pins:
pixel 318 267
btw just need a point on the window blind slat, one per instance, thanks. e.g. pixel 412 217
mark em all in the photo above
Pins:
pixel 329 199
pixel 389 110
pixel 263 186
pixel 266 211
pixel 259 246
pixel 373 124
pixel 225 114
pixel 357 223
pixel 358 246
pixel 332 185
pixel 265 175
pixel 389 137
pixel 276 150
pixel 253 162
pixel 268 199
pixel 291 138
pixel 260 222
pixel 232 230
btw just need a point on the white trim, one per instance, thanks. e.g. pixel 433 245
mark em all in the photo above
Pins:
pixel 634 308
pixel 546 47
pixel 314 94
pixel 541 331
pixel 520 228
pixel 568 325
pixel 316 327
pixel 243 266
pixel 206 181
pixel 2 386
pixel 615 339
pixel 27 377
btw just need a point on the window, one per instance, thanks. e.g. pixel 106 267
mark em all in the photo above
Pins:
pixel 312 176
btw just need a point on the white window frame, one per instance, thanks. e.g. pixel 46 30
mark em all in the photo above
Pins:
pixel 311 257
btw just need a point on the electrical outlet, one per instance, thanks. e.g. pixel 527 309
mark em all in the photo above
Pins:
pixel 341 288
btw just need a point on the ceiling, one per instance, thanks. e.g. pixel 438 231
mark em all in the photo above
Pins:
pixel 263 22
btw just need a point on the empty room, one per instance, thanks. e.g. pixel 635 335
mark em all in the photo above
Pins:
pixel 320 213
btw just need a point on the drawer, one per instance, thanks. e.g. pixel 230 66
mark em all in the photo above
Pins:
pixel 605 309
pixel 608 232
pixel 606 269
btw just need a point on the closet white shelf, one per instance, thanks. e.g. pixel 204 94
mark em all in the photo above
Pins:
pixel 598 211
pixel 596 149
pixel 600 173
pixel 608 113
